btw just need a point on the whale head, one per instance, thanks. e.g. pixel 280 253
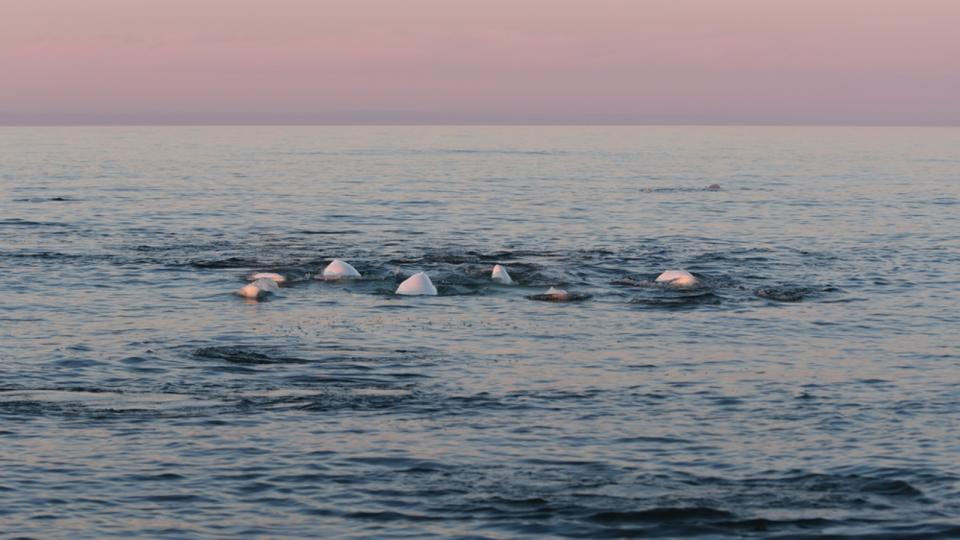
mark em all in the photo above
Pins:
pixel 677 278
pixel 500 274
pixel 554 294
pixel 276 278
pixel 418 284
pixel 338 269
pixel 258 289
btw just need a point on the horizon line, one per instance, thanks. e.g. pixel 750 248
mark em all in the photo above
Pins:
pixel 470 124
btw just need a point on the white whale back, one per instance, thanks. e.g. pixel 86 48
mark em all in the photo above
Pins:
pixel 556 293
pixel 259 288
pixel 677 278
pixel 500 274
pixel 418 284
pixel 276 278
pixel 338 269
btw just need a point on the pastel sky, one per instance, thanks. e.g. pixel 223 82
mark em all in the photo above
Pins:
pixel 480 61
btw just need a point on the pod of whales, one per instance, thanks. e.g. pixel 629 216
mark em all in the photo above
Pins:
pixel 418 284
pixel 500 274
pixel 259 288
pixel 677 278
pixel 338 269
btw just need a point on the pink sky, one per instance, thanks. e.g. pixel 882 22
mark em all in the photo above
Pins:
pixel 489 61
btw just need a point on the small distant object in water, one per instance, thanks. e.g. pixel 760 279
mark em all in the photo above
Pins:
pixel 259 289
pixel 714 187
pixel 678 278
pixel 500 274
pixel 418 284
pixel 338 269
pixel 558 295
pixel 272 276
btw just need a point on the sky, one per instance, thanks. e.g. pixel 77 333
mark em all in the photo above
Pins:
pixel 873 62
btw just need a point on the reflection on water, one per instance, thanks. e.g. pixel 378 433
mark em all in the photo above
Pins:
pixel 807 388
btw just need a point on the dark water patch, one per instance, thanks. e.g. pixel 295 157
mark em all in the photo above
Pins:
pixel 86 402
pixel 337 393
pixel 784 293
pixel 45 199
pixel 679 300
pixel 178 498
pixel 228 262
pixel 323 355
pixel 244 356
pixel 440 256
pixel 660 515
pixel 77 363
pixel 669 506
pixel 460 256
pixel 367 399
pixel 30 223
pixel 157 477
pixel 683 189
pixel 844 485
pixel 332 232
pixel 794 293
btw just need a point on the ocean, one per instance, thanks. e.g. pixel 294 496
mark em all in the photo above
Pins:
pixel 809 387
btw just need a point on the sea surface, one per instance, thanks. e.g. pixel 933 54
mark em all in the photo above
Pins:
pixel 809 387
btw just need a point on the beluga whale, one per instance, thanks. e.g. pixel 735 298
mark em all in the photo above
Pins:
pixel 338 269
pixel 258 289
pixel 418 284
pixel 554 294
pixel 500 274
pixel 276 278
pixel 680 279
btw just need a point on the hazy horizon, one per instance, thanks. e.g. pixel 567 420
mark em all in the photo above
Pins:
pixel 609 62
pixel 122 121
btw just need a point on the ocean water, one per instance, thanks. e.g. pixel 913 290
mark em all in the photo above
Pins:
pixel 810 387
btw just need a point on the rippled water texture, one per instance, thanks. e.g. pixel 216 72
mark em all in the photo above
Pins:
pixel 809 387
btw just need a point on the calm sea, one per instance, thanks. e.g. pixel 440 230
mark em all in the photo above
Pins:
pixel 810 387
